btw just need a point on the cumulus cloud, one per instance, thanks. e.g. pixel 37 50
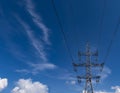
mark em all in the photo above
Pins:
pixel 28 86
pixel 3 83
pixel 116 88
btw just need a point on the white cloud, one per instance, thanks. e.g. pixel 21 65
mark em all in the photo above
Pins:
pixel 37 20
pixel 67 76
pixel 37 44
pixel 101 92
pixel 36 68
pixel 42 66
pixel 3 83
pixel 40 51
pixel 71 82
pixel 28 86
pixel 106 71
pixel 117 89
pixel 23 71
pixel 98 92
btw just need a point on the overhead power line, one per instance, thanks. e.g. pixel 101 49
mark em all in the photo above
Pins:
pixel 102 21
pixel 111 42
pixel 72 13
pixel 61 29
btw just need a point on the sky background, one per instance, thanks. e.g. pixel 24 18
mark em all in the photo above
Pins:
pixel 33 52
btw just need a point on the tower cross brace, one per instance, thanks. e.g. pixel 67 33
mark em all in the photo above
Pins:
pixel 88 68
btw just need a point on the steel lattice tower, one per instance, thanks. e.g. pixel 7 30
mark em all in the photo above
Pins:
pixel 88 64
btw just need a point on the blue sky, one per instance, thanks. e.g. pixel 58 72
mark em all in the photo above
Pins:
pixel 32 49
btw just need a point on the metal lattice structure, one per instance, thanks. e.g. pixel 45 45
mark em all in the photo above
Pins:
pixel 88 64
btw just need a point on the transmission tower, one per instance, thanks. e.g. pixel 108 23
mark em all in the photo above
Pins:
pixel 88 64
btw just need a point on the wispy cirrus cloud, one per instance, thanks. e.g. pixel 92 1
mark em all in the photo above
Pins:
pixel 37 20
pixel 39 47
pixel 26 71
pixel 37 67
pixel 37 44
pixel 41 67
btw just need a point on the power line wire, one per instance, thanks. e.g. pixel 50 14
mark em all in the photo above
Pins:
pixel 101 22
pixel 62 30
pixel 73 14
pixel 100 34
pixel 111 42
